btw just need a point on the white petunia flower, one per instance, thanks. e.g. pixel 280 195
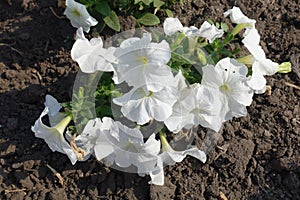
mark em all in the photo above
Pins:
pixel 140 105
pixel 208 31
pixel 238 17
pixel 195 106
pixel 54 136
pixel 79 16
pixel 90 55
pixel 142 62
pixel 261 65
pixel 227 81
pixel 127 147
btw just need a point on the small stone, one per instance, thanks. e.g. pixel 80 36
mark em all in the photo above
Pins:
pixel 16 165
pixel 27 183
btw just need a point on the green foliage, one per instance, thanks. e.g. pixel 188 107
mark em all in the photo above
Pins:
pixel 148 19
pixel 144 11
pixel 112 21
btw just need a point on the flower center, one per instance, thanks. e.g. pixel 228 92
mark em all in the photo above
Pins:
pixel 76 12
pixel 224 88
pixel 143 59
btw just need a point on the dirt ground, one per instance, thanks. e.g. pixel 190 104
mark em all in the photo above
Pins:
pixel 259 155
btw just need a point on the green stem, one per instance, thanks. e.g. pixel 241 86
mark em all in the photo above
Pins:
pixel 62 125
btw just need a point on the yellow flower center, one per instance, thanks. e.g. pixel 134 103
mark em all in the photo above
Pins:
pixel 224 88
pixel 143 59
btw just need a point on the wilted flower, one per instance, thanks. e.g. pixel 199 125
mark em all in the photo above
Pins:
pixel 79 16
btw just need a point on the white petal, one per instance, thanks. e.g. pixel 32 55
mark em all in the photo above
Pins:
pixel 157 175
pixel 237 17
pixel 191 31
pixel 91 56
pixel 257 80
pixel 210 32
pixel 52 105
pixel 102 150
pixel 172 25
pixel 180 81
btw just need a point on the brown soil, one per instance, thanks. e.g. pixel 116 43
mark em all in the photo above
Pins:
pixel 259 156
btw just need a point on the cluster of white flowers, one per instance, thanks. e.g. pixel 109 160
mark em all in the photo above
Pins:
pixel 157 94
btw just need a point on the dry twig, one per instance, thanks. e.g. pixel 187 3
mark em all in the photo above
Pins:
pixel 54 13
pixel 16 190
pixel 60 178
pixel 80 153
pixel 268 91
pixel 16 50
pixel 222 196
pixel 292 85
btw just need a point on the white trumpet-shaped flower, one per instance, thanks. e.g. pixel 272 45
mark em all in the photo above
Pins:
pixel 79 16
pixel 90 55
pixel 227 82
pixel 261 65
pixel 142 62
pixel 54 136
pixel 127 147
pixel 140 105
pixel 195 106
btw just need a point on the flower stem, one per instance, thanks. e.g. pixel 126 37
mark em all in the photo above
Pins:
pixel 62 125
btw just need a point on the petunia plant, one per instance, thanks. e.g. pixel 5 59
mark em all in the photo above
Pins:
pixel 88 13
pixel 135 95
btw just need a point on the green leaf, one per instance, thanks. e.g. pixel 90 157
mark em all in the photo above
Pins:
pixel 137 1
pixel 158 3
pixel 169 13
pixel 225 27
pixel 103 8
pixel 112 21
pixel 148 19
pixel 147 2
pixel 210 21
